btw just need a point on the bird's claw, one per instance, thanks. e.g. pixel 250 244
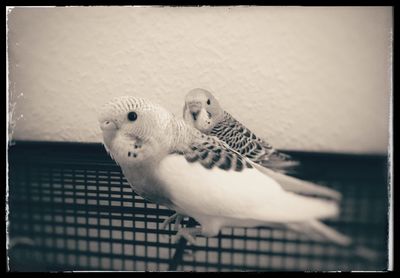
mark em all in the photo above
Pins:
pixel 168 220
pixel 178 219
pixel 189 234
pixel 189 253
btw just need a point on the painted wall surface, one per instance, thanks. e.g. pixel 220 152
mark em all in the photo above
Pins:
pixel 304 78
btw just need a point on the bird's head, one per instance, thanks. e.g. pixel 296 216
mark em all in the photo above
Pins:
pixel 202 110
pixel 134 129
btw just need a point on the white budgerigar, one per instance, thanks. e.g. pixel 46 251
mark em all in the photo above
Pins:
pixel 168 162
pixel 203 111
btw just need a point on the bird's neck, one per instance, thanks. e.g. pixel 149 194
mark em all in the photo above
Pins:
pixel 227 116
pixel 184 135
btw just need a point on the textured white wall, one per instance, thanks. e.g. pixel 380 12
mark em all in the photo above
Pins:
pixel 304 78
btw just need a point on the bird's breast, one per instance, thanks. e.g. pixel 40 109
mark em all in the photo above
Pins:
pixel 144 183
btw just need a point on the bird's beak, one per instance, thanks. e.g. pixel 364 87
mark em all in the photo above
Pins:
pixel 194 115
pixel 194 109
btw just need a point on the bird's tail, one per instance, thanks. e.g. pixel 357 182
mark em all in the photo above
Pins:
pixel 319 231
pixel 298 186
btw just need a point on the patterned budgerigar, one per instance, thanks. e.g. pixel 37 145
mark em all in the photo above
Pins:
pixel 168 162
pixel 203 111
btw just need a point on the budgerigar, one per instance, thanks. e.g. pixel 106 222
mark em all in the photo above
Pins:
pixel 168 162
pixel 203 111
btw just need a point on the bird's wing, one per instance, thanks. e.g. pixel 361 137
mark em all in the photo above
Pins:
pixel 279 162
pixel 211 152
pixel 244 142
pixel 211 179
pixel 241 139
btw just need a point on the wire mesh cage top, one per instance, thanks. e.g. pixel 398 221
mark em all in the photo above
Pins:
pixel 72 209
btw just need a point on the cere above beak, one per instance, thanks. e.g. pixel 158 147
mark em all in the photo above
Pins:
pixel 108 125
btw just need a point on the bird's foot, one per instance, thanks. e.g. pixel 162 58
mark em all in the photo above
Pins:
pixel 178 219
pixel 189 254
pixel 189 234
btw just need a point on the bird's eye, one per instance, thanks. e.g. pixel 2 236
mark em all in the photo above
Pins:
pixel 208 101
pixel 132 116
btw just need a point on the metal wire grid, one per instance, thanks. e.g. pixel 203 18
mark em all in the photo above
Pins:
pixel 82 215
